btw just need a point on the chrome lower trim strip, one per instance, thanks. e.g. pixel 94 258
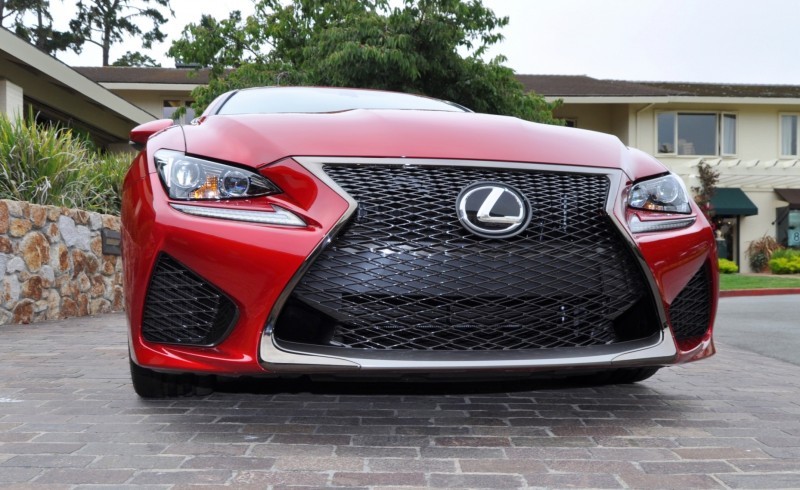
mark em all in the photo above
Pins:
pixel 317 359
pixel 300 358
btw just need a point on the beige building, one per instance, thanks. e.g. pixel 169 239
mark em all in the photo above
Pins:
pixel 750 135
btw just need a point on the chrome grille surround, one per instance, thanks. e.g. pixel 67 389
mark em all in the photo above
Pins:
pixel 279 355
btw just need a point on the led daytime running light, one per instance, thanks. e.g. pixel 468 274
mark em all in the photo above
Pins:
pixel 280 216
pixel 639 226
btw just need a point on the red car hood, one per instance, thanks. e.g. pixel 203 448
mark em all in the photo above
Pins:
pixel 259 139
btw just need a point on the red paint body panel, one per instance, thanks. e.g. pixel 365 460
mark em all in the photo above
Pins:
pixel 265 138
pixel 229 254
pixel 141 133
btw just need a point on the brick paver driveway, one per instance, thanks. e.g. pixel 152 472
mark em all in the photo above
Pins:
pixel 69 418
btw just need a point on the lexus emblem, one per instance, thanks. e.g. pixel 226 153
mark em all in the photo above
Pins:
pixel 493 210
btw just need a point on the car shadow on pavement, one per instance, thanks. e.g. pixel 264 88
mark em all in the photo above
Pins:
pixel 402 386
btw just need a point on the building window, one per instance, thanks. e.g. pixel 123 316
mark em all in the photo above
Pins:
pixel 696 133
pixel 793 231
pixel 171 106
pixel 570 122
pixel 789 128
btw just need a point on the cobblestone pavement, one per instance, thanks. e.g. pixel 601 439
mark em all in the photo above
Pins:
pixel 69 419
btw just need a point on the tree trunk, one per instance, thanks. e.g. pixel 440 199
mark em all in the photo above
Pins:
pixel 106 44
pixel 40 40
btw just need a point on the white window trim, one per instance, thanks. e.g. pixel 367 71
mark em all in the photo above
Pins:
pixel 780 136
pixel 721 135
pixel 184 101
pixel 718 136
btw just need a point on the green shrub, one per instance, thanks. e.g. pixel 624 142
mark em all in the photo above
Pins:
pixel 760 252
pixel 103 178
pixel 786 253
pixel 785 264
pixel 52 165
pixel 40 164
pixel 727 266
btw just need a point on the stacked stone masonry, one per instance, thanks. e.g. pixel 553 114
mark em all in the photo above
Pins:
pixel 52 264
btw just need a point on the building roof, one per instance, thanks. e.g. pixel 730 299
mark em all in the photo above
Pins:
pixel 136 74
pixel 729 90
pixel 584 86
pixel 548 85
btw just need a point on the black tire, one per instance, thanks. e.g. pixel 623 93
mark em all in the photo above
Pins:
pixel 620 376
pixel 632 375
pixel 152 384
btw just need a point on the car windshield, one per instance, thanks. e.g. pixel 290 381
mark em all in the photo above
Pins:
pixel 321 100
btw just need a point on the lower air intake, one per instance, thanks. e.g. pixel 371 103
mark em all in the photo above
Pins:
pixel 690 312
pixel 183 308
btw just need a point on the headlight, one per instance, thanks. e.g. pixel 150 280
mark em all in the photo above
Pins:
pixel 192 178
pixel 664 194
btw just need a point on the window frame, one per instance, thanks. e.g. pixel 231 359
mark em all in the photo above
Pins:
pixel 796 154
pixel 185 102
pixel 719 135
pixel 570 122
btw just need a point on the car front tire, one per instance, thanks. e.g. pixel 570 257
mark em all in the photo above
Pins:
pixel 152 384
pixel 622 376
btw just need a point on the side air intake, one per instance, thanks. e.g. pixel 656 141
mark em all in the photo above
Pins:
pixel 183 308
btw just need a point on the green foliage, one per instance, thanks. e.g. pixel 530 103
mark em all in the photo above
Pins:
pixel 727 266
pixel 106 22
pixel 102 182
pixel 39 164
pixel 785 266
pixel 786 253
pixel 430 47
pixel 51 165
pixel 728 282
pixel 785 261
pixel 34 23
pixel 760 252
pixel 136 59
pixel 705 191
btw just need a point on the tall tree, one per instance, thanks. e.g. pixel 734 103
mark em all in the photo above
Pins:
pixel 106 22
pixel 8 8
pixel 136 59
pixel 4 12
pixel 34 23
pixel 433 47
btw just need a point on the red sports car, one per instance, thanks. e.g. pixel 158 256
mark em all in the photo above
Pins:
pixel 306 231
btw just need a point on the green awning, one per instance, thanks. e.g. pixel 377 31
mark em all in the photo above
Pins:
pixel 732 202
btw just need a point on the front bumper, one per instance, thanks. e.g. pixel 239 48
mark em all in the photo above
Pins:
pixel 258 266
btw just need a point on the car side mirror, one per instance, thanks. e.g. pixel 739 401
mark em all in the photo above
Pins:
pixel 141 133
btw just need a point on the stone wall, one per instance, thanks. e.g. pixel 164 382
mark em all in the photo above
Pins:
pixel 52 265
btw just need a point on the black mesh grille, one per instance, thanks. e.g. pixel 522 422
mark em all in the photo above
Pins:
pixel 183 308
pixel 690 312
pixel 404 273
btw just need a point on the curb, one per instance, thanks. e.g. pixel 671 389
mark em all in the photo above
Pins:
pixel 758 292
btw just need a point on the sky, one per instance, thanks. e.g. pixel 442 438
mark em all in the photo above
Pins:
pixel 717 41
